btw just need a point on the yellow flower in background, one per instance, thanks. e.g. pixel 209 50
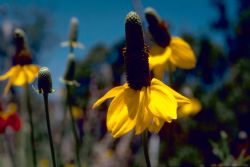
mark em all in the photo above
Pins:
pixel 168 52
pixel 44 163
pixel 141 103
pixel 191 109
pixel 22 72
pixel 77 112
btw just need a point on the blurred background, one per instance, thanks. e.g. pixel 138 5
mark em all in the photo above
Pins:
pixel 218 32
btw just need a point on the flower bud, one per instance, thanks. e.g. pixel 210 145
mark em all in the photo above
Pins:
pixel 44 81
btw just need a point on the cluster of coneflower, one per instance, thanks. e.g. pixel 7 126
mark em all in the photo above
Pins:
pixel 144 103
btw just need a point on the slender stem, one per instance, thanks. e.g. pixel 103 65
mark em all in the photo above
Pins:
pixel 45 96
pixel 71 49
pixel 32 135
pixel 10 150
pixel 77 143
pixel 170 75
pixel 145 147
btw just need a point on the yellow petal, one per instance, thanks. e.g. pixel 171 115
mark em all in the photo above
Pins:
pixel 20 78
pixel 144 116
pixel 111 93
pixel 132 101
pixel 158 57
pixel 8 86
pixel 118 120
pixel 10 73
pixel 31 72
pixel 180 99
pixel 162 102
pixel 156 125
pixel 182 54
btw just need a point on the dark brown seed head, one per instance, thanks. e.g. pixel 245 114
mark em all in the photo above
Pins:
pixel 70 69
pixel 157 27
pixel 44 81
pixel 22 55
pixel 135 53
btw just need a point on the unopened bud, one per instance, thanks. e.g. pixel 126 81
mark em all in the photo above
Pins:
pixel 44 81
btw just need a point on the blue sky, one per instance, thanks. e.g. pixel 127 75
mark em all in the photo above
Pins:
pixel 102 21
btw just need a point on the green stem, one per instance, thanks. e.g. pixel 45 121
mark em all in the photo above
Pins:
pixel 77 143
pixel 32 135
pixel 10 150
pixel 145 147
pixel 170 75
pixel 45 96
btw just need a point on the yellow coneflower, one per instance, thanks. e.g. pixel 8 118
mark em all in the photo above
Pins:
pixel 22 72
pixel 141 103
pixel 169 52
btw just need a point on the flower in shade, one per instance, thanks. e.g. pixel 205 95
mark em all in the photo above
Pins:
pixel 22 72
pixel 142 103
pixel 10 118
pixel 168 52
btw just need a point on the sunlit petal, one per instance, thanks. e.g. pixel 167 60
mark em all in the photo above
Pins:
pixel 182 54
pixel 144 116
pixel 158 56
pixel 118 120
pixel 10 73
pixel 180 99
pixel 31 72
pixel 162 102
pixel 111 93
pixel 132 101
pixel 20 78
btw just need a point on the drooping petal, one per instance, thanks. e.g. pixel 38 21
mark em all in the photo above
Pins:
pixel 20 78
pixel 182 54
pixel 31 72
pixel 111 93
pixel 162 102
pixel 180 99
pixel 158 56
pixel 144 116
pixel 156 125
pixel 132 101
pixel 118 120
pixel 10 73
